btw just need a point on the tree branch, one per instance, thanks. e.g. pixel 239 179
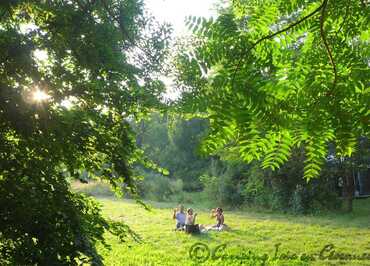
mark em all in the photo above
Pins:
pixel 115 19
pixel 123 30
pixel 323 37
pixel 363 3
pixel 288 27
pixel 270 36
pixel 344 21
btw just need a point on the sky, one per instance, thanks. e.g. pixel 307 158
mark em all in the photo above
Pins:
pixel 175 11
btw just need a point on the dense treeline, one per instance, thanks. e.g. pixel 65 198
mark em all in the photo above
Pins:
pixel 173 143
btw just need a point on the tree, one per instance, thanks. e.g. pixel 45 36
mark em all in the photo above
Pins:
pixel 71 74
pixel 347 168
pixel 172 143
pixel 272 76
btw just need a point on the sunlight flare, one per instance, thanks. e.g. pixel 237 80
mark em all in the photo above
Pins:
pixel 40 96
pixel 40 55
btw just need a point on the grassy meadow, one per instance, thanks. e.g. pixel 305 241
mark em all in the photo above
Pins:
pixel 256 232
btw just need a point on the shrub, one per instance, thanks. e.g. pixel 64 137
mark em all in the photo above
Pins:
pixel 255 190
pixel 222 184
pixel 159 188
pixel 286 190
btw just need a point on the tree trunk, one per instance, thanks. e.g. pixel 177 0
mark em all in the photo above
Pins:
pixel 140 134
pixel 348 190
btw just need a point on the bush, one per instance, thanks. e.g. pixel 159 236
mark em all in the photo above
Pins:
pixel 159 188
pixel 255 190
pixel 286 190
pixel 299 202
pixel 222 184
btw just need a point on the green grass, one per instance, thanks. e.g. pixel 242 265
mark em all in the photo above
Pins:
pixel 255 231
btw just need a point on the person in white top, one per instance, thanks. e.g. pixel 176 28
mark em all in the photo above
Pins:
pixel 179 216
pixel 190 226
pixel 190 217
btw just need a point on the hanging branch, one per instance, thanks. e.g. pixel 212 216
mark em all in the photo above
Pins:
pixel 116 20
pixel 287 28
pixel 343 22
pixel 323 37
pixel 270 36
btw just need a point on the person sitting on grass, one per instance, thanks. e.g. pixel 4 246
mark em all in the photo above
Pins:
pixel 180 217
pixel 190 226
pixel 220 220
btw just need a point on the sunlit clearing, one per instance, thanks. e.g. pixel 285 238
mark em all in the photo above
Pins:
pixel 103 109
pixel 27 27
pixel 41 55
pixel 40 96
pixel 171 94
pixel 67 104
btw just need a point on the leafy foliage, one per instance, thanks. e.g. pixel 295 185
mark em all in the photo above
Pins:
pixel 95 64
pixel 223 183
pixel 159 188
pixel 172 142
pixel 225 179
pixel 276 75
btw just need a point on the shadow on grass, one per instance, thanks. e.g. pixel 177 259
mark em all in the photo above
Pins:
pixel 200 236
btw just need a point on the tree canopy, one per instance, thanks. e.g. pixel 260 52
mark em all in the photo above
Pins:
pixel 163 137
pixel 71 75
pixel 274 75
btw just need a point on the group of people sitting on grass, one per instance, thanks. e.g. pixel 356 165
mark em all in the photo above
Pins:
pixel 186 222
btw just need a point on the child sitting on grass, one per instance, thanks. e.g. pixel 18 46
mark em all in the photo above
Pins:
pixel 190 226
pixel 220 220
